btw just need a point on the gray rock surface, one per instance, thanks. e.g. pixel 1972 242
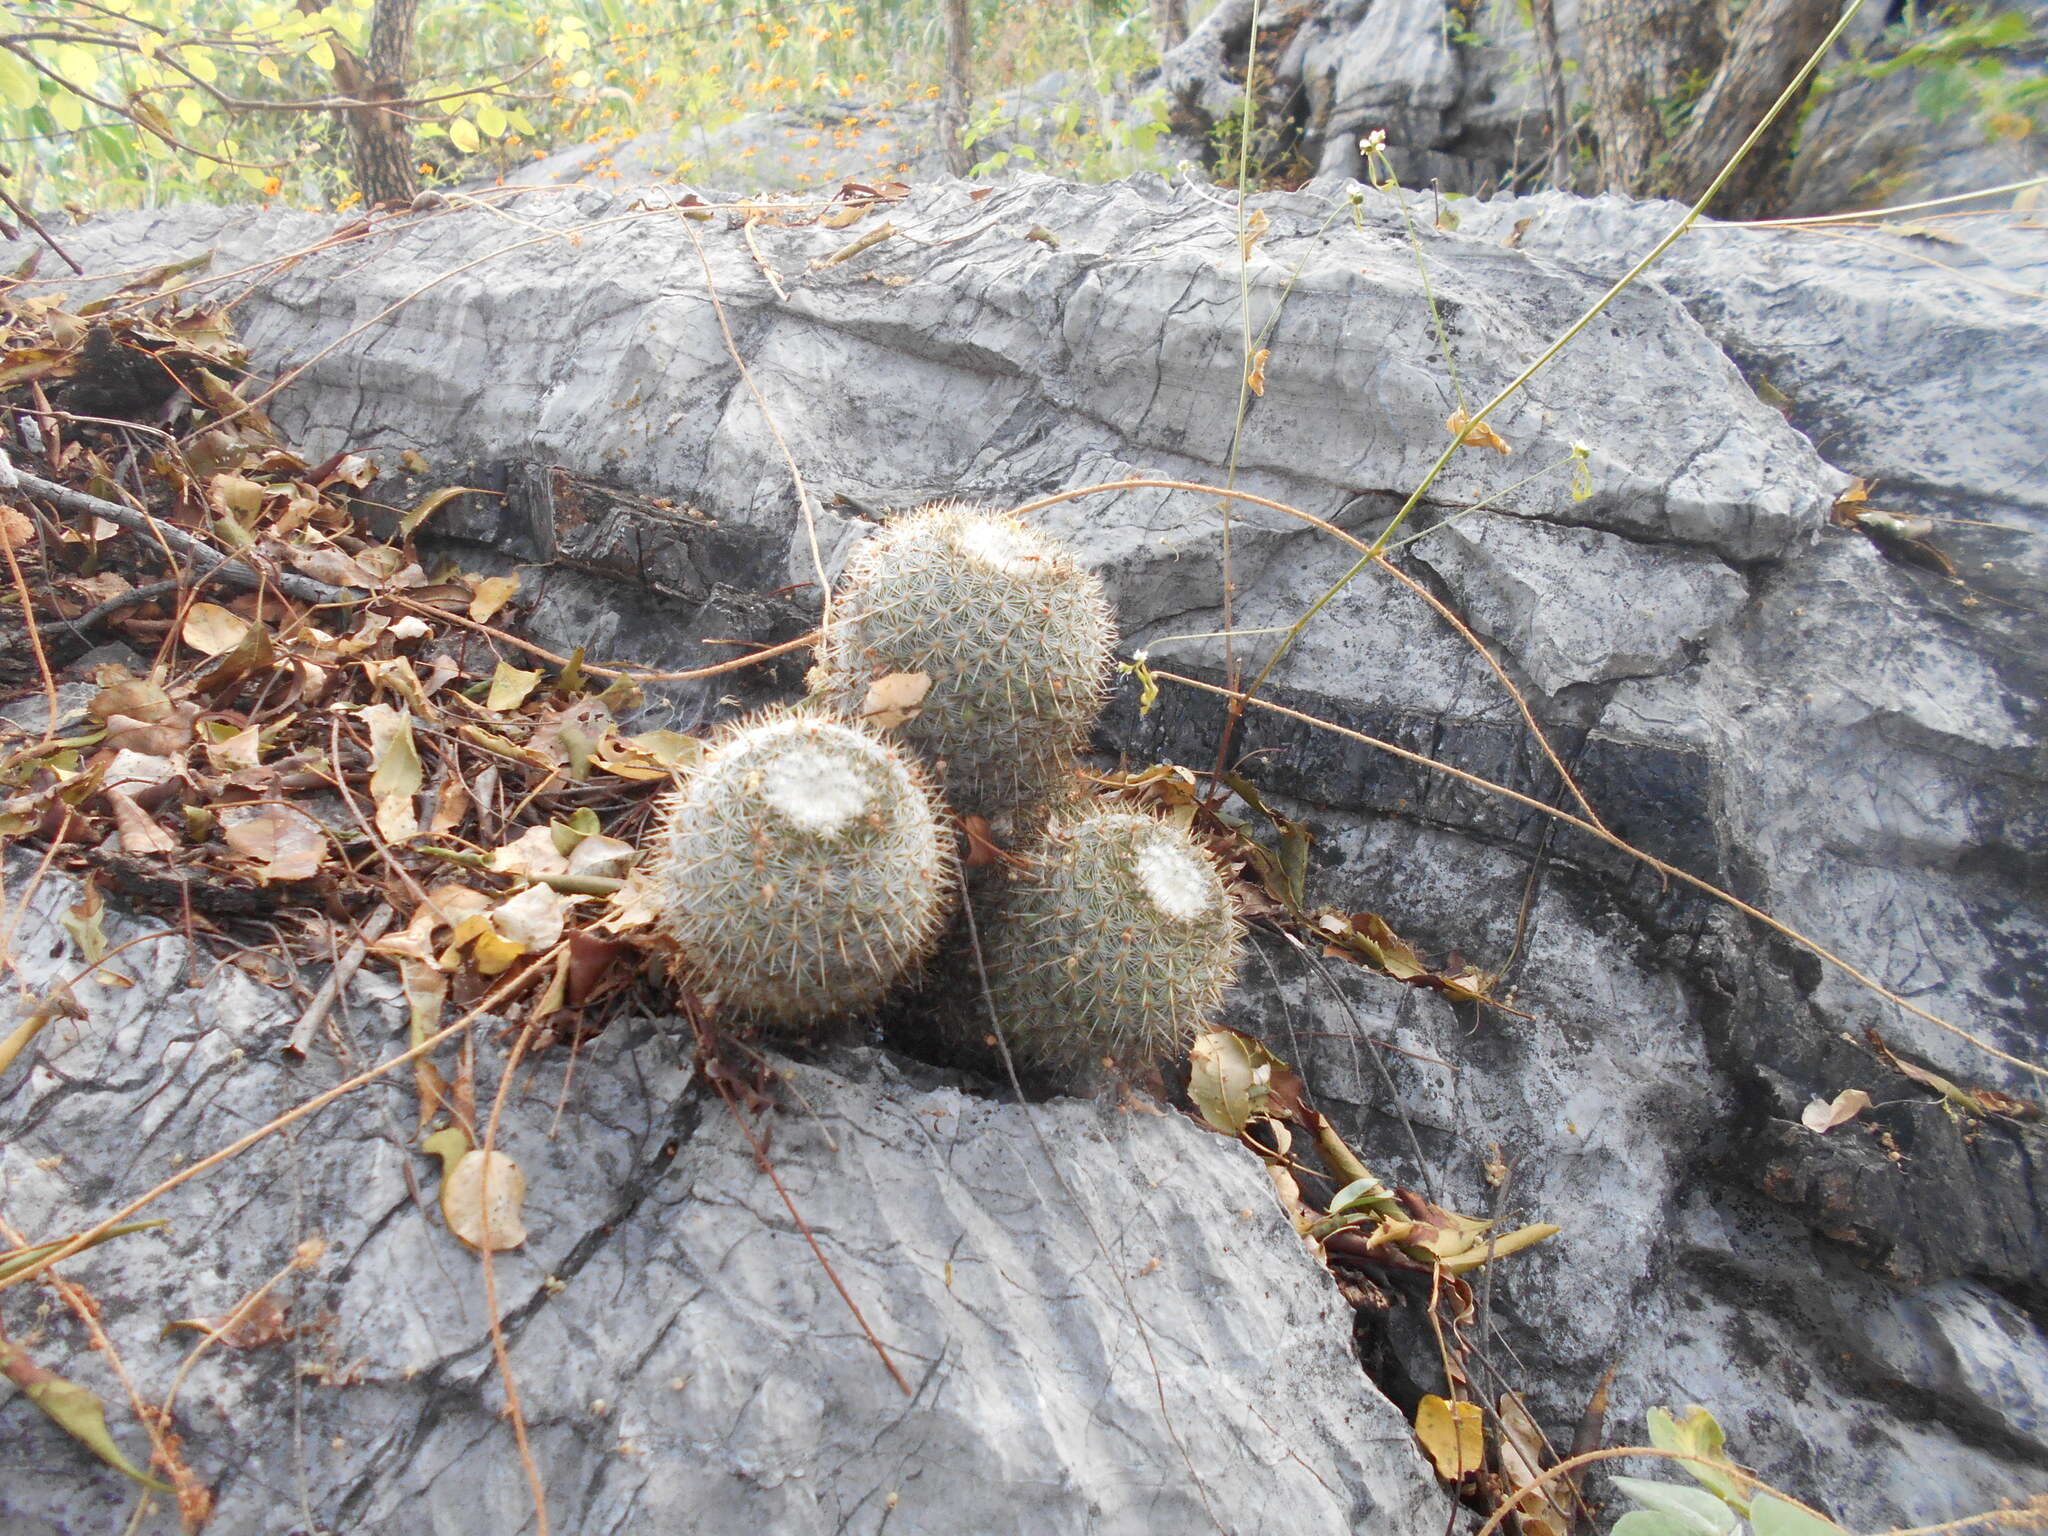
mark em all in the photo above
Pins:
pixel 1040 1278
pixel 1834 728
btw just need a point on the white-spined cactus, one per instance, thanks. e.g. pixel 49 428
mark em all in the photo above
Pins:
pixel 804 869
pixel 1115 940
pixel 1013 634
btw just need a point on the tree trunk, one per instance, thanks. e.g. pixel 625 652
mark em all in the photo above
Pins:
pixel 1640 54
pixel 1544 13
pixel 380 139
pixel 954 94
pixel 1170 23
pixel 1773 39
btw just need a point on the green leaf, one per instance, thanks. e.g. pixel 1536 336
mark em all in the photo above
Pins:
pixel 1698 1434
pixel 77 65
pixel 1366 1194
pixel 16 1260
pixel 1696 1510
pixel 464 136
pixel 18 82
pixel 1638 1522
pixel 321 54
pixel 1773 1516
pixel 68 110
pixel 74 1409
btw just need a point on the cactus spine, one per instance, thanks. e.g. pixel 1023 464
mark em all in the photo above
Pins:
pixel 1014 635
pixel 803 869
pixel 1118 941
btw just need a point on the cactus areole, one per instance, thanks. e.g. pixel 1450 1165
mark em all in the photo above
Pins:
pixel 803 870
pixel 1014 635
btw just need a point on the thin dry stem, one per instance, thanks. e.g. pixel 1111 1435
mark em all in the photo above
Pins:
pixel 507 989
pixel 796 474
pixel 810 1237
pixel 499 1352
pixel 1591 830
pixel 1365 550
pixel 35 638
pixel 2031 1515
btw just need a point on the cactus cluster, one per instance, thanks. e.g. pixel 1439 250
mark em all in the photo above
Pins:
pixel 804 870
pixel 807 868
pixel 1013 634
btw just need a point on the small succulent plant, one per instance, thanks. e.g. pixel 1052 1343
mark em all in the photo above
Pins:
pixel 1013 635
pixel 1116 939
pixel 804 869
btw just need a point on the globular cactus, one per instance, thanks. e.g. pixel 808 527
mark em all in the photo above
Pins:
pixel 1116 940
pixel 1013 634
pixel 803 871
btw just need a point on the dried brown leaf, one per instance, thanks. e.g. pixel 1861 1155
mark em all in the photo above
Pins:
pixel 283 843
pixel 1822 1116
pixel 138 833
pixel 16 529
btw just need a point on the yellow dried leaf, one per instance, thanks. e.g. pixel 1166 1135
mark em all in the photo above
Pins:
pixel 894 699
pixel 481 1200
pixel 235 495
pixel 1454 1435
pixel 211 630
pixel 492 593
pixel 1230 1079
pixel 397 776
pixel 1255 376
pixel 509 687
pixel 494 955
pixel 1461 426
pixel 672 749
pixel 75 1409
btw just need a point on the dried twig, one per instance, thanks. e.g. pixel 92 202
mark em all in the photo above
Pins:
pixel 304 588
pixel 373 929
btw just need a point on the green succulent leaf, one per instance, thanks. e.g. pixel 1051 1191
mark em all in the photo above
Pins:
pixel 1773 1516
pixel 1698 1512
